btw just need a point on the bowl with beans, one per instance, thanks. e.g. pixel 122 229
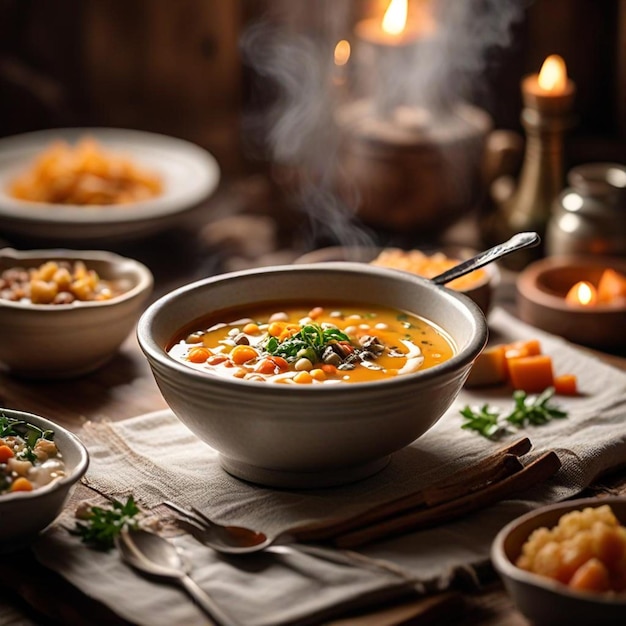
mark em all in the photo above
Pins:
pixel 311 375
pixel 64 313
pixel 565 563
pixel 40 463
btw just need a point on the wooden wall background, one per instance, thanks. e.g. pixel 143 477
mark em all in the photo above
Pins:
pixel 175 67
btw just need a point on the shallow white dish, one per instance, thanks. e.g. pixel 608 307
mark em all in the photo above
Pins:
pixel 24 514
pixel 189 173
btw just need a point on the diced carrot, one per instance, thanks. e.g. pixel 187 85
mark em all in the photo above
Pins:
pixel 272 365
pixel 329 369
pixel 527 347
pixel 21 484
pixel 275 329
pixel 531 374
pixel 216 359
pixel 198 354
pixel 566 385
pixel 489 368
pixel 5 453
pixel 612 286
pixel 591 576
pixel 242 354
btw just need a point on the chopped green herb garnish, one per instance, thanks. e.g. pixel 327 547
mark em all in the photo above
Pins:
pixel 312 338
pixel 527 410
pixel 102 525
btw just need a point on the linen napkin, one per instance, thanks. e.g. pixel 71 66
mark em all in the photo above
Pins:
pixel 130 457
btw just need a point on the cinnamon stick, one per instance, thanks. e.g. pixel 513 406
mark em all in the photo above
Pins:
pixel 495 466
pixel 535 472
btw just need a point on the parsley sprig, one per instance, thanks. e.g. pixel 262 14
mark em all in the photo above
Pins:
pixel 527 410
pixel 102 525
pixel 311 339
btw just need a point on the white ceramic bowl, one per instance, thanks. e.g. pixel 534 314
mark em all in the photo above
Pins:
pixel 481 292
pixel 310 435
pixel 66 340
pixel 189 173
pixel 544 601
pixel 24 514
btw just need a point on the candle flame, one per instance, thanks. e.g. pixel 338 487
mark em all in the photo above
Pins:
pixel 394 20
pixel 582 293
pixel 553 74
pixel 342 52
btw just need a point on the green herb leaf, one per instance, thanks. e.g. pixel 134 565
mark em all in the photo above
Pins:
pixel 527 410
pixel 103 524
pixel 311 337
pixel 534 411
pixel 483 420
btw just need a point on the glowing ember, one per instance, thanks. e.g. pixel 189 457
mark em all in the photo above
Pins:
pixel 394 20
pixel 582 293
pixel 553 74
pixel 342 52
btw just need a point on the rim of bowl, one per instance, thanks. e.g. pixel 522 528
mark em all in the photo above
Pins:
pixel 152 349
pixel 145 279
pixel 64 482
pixel 507 568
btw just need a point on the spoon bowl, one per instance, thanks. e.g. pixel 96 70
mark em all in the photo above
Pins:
pixel 157 557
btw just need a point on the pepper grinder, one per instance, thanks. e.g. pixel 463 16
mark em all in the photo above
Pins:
pixel 548 99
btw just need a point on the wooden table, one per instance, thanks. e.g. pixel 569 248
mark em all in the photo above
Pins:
pixel 125 388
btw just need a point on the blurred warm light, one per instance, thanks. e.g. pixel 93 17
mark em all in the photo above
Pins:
pixel 553 74
pixel 394 20
pixel 582 293
pixel 342 52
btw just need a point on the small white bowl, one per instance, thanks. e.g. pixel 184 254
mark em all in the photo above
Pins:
pixel 544 601
pixel 26 513
pixel 67 340
pixel 481 292
pixel 310 435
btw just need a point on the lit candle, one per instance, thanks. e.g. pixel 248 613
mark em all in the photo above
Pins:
pixel 551 90
pixel 392 30
pixel 582 293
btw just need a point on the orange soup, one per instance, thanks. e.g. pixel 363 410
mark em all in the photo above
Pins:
pixel 321 343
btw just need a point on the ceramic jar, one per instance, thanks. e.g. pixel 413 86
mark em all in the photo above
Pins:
pixel 589 216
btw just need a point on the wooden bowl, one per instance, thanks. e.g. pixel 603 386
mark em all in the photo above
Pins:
pixel 541 291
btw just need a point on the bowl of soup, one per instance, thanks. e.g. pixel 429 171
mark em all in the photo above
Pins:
pixel 40 463
pixel 311 375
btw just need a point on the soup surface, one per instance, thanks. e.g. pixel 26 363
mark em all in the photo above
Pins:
pixel 29 458
pixel 300 344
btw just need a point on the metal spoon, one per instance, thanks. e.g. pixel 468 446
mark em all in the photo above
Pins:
pixel 238 540
pixel 153 555
pixel 517 242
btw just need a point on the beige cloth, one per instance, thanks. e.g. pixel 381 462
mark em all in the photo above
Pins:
pixel 129 457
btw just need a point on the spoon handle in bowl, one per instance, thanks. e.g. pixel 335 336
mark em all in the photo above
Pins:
pixel 206 603
pixel 517 242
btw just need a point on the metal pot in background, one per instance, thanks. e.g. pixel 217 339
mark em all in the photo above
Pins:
pixel 589 216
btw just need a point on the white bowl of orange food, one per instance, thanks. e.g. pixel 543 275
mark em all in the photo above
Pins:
pixel 565 563
pixel 88 186
pixel 64 313
pixel 478 285
pixel 311 375
pixel 40 462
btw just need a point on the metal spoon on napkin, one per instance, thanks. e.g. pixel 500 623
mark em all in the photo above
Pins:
pixel 238 540
pixel 155 556
pixel 517 242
